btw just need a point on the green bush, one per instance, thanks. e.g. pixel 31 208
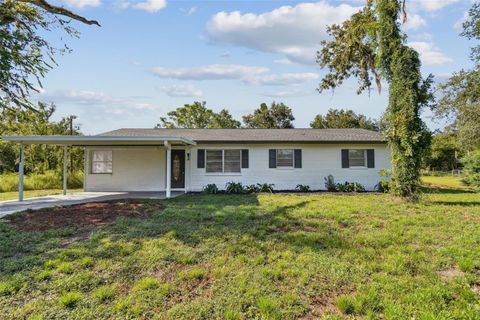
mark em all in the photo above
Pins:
pixel 330 184
pixel 40 181
pixel 471 169
pixel 302 188
pixel 385 184
pixel 252 188
pixel 234 187
pixel 350 187
pixel 265 187
pixel 210 188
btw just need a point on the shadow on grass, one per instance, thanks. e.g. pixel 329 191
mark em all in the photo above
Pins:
pixel 191 219
pixel 444 190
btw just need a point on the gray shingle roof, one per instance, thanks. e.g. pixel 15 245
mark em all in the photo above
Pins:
pixel 258 135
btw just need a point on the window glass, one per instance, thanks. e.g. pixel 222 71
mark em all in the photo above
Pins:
pixel 231 160
pixel 356 157
pixel 102 162
pixel 214 161
pixel 284 158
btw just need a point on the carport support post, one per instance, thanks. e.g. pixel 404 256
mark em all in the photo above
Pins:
pixel 169 169
pixel 65 165
pixel 20 174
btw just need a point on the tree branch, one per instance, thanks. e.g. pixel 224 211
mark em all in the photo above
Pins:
pixel 60 10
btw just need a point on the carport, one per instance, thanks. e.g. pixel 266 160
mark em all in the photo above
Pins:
pixel 166 142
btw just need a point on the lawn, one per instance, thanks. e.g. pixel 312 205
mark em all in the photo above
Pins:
pixel 280 256
pixel 13 195
pixel 445 182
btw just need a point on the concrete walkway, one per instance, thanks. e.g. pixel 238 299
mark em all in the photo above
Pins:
pixel 11 206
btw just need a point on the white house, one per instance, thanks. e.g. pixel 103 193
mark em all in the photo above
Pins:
pixel 188 159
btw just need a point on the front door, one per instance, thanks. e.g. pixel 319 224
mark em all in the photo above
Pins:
pixel 178 169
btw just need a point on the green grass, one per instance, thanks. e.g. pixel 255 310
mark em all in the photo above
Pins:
pixel 13 195
pixel 280 256
pixel 445 182
pixel 40 181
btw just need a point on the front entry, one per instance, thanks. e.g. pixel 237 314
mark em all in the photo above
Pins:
pixel 178 169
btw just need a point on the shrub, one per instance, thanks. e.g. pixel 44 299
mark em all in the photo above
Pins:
pixel 252 188
pixel 385 184
pixel 70 299
pixel 265 187
pixel 302 188
pixel 346 304
pixel 350 187
pixel 330 184
pixel 210 188
pixel 471 169
pixel 234 187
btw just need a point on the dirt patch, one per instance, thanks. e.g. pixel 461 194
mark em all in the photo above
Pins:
pixel 449 274
pixel 97 214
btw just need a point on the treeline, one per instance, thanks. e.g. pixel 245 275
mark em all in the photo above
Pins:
pixel 275 116
pixel 38 158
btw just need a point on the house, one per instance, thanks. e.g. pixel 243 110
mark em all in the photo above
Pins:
pixel 188 159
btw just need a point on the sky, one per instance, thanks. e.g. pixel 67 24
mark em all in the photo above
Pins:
pixel 152 56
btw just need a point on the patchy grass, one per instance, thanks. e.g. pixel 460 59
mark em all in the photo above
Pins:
pixel 13 195
pixel 445 182
pixel 280 256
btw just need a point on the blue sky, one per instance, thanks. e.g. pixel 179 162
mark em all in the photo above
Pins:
pixel 151 56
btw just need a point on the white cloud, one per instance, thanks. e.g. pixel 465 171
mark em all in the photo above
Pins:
pixel 189 11
pixel 283 61
pixel 226 54
pixel 429 54
pixel 458 26
pixel 95 99
pixel 82 3
pixel 210 72
pixel 150 6
pixel 281 79
pixel 182 91
pixel 414 22
pixel 432 5
pixel 294 31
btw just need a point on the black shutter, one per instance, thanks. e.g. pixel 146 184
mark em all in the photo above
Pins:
pixel 272 158
pixel 345 162
pixel 370 158
pixel 201 158
pixel 298 158
pixel 245 158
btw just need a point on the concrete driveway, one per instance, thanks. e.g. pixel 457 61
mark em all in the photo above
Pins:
pixel 12 206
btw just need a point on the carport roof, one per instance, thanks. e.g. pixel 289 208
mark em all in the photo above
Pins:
pixel 100 140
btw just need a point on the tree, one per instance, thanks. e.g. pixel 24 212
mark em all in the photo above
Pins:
pixel 336 118
pixel 460 95
pixel 197 115
pixel 471 169
pixel 38 158
pixel 26 55
pixel 444 152
pixel 370 45
pixel 278 116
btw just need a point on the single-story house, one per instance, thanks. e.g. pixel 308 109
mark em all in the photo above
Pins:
pixel 189 159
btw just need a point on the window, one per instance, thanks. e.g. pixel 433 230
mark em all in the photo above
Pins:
pixel 223 161
pixel 102 162
pixel 357 158
pixel 285 158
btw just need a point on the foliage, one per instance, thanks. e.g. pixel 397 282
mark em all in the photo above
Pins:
pixel 40 181
pixel 340 118
pixel 265 187
pixel 210 188
pixel 26 53
pixel 350 187
pixel 254 257
pixel 385 183
pixel 234 187
pixel 471 169
pixel 252 188
pixel 330 184
pixel 38 158
pixel 278 116
pixel 302 188
pixel 197 115
pixel 444 152
pixel 371 45
pixel 459 96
